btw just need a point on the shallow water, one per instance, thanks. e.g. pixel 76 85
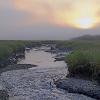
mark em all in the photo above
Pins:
pixel 42 59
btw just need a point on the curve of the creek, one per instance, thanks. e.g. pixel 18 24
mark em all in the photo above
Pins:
pixel 37 83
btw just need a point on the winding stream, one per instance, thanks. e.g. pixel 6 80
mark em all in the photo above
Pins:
pixel 42 59
pixel 37 83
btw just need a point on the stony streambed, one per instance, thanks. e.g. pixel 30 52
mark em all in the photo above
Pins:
pixel 37 84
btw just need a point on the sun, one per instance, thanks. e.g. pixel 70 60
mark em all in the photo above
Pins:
pixel 84 23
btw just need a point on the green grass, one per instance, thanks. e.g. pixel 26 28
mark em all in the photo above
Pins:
pixel 85 58
pixel 8 47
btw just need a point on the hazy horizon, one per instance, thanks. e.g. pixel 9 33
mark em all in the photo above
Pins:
pixel 48 19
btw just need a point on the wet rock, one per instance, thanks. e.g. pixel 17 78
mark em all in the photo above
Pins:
pixel 4 95
pixel 3 92
pixel 17 67
pixel 98 77
pixel 80 86
pixel 59 58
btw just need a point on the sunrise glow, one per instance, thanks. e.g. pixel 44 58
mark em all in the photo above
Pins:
pixel 83 14
pixel 84 23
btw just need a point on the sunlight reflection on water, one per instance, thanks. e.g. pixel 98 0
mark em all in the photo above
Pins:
pixel 41 58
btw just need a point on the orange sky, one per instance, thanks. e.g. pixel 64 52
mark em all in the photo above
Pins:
pixel 74 13
pixel 48 19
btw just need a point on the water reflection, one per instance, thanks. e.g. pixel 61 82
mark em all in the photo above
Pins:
pixel 41 58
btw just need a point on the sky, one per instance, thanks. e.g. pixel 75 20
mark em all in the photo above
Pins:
pixel 48 19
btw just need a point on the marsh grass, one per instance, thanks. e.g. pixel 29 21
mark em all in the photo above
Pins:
pixel 85 59
pixel 8 47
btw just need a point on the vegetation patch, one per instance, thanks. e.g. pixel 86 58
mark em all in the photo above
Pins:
pixel 85 59
pixel 9 47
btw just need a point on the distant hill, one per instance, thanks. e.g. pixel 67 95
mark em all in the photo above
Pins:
pixel 88 38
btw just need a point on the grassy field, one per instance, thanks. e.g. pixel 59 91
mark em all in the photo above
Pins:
pixel 85 58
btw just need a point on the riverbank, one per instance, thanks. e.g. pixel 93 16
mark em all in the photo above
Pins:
pixel 16 67
pixel 81 80
pixel 84 68
pixel 80 86
pixel 10 51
